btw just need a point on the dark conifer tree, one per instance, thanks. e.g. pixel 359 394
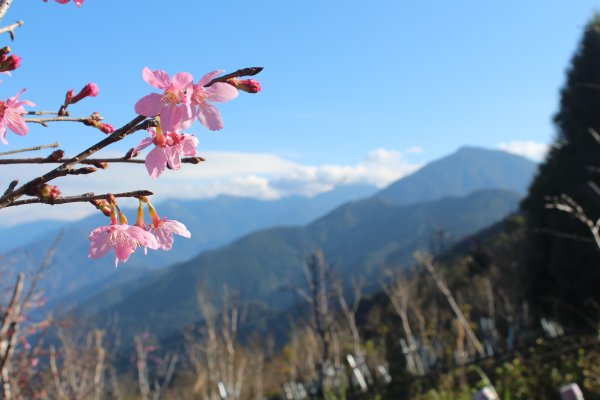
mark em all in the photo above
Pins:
pixel 562 273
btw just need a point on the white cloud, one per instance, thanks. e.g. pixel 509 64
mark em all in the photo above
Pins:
pixel 530 149
pixel 257 175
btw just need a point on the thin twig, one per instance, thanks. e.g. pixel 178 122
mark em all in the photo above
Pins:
pixel 250 71
pixel 594 187
pixel 44 146
pixel 427 262
pixel 89 161
pixel 41 113
pixel 567 204
pixel 134 125
pixel 594 134
pixel 563 235
pixel 11 28
pixel 44 121
pixel 80 198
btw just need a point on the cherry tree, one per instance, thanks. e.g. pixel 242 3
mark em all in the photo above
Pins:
pixel 165 115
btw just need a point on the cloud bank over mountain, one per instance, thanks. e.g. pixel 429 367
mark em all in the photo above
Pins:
pixel 257 175
pixel 533 150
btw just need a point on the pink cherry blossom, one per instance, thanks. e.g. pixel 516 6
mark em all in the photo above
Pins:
pixel 168 149
pixel 11 116
pixel 174 106
pixel 124 239
pixel 218 92
pixel 163 230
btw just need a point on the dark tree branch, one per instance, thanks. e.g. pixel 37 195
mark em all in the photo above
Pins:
pixel 133 126
pixel 80 198
pixel 89 161
pixel 250 71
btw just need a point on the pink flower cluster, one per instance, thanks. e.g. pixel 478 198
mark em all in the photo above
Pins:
pixel 180 103
pixel 124 239
pixel 168 149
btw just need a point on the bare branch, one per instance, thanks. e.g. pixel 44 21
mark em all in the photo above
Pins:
pixel 134 125
pixel 89 161
pixel 251 71
pixel 11 28
pixel 41 113
pixel 81 198
pixel 567 204
pixel 44 146
pixel 427 262
pixel 594 134
pixel 44 121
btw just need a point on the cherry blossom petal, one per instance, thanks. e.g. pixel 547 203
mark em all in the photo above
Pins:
pixel 210 117
pixel 15 123
pixel 221 92
pixel 189 144
pixel 156 162
pixel 99 242
pixel 157 78
pixel 209 77
pixel 143 144
pixel 149 105
pixel 173 156
pixel 164 238
pixel 143 237
pixel 177 228
pixel 182 80
pixel 122 251
pixel 174 118
pixel 3 135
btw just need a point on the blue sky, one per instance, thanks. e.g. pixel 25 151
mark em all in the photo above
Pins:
pixel 342 79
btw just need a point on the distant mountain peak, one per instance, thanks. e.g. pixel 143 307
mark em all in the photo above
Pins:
pixel 467 170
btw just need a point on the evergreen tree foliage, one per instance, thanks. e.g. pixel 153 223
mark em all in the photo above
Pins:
pixel 562 271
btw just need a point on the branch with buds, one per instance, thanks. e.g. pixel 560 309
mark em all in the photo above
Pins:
pixel 163 115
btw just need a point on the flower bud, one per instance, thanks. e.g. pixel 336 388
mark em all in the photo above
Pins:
pixel 196 160
pixel 101 164
pixel 94 120
pixel 246 85
pixel 69 96
pixel 10 63
pixel 56 155
pixel 89 90
pixel 5 50
pixel 106 128
pixel 47 192
pixel 83 171
pixel 103 206
pixel 132 153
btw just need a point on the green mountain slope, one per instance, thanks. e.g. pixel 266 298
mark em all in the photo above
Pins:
pixel 213 223
pixel 358 238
